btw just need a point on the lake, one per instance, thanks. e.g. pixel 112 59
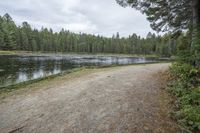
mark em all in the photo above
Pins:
pixel 16 69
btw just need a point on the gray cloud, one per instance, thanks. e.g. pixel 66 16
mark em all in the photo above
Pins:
pixel 104 17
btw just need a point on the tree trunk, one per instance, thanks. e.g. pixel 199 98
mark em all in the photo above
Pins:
pixel 195 45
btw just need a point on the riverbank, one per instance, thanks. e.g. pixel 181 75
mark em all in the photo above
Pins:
pixel 29 53
pixel 14 87
pixel 17 86
pixel 29 85
pixel 119 99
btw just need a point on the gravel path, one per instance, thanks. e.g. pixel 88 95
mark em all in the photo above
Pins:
pixel 113 100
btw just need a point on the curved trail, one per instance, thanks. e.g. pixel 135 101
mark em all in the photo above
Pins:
pixel 125 99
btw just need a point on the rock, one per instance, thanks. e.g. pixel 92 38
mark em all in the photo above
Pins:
pixel 146 128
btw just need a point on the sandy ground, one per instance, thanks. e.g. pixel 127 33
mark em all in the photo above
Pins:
pixel 126 99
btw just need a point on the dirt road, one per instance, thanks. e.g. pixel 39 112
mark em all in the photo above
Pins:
pixel 126 99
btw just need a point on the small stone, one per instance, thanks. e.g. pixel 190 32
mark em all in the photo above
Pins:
pixel 146 128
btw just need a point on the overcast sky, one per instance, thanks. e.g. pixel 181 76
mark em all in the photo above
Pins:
pixel 104 17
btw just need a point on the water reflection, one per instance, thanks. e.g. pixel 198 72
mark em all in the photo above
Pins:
pixel 16 69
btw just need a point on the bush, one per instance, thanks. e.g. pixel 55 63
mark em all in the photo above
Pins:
pixel 185 86
pixel 191 117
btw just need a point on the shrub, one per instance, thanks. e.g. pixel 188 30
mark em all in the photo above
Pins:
pixel 185 86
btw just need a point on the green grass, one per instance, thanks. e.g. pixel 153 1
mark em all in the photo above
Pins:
pixel 7 52
pixel 72 53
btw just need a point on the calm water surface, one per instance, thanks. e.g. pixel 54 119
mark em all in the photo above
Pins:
pixel 16 69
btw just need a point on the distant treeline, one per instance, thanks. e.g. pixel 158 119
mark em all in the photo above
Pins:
pixel 13 37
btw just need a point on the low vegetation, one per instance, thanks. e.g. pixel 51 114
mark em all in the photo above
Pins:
pixel 185 86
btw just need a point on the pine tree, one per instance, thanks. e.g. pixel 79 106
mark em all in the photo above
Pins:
pixel 1 34
pixel 9 29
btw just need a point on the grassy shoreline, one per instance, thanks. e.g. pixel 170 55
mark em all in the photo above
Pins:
pixel 17 86
pixel 30 53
